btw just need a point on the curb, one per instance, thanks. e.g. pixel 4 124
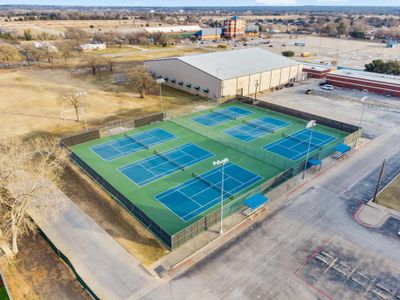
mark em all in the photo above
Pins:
pixel 6 286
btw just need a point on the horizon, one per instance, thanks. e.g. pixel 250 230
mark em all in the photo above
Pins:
pixel 207 3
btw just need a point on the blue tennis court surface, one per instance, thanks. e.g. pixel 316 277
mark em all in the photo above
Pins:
pixel 221 116
pixel 198 194
pixel 250 130
pixel 295 146
pixel 132 143
pixel 160 165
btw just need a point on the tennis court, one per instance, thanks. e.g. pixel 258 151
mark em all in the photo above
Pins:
pixel 161 164
pixel 132 143
pixel 221 116
pixel 250 130
pixel 202 192
pixel 295 146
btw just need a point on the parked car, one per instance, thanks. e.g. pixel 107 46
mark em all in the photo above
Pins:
pixel 327 87
pixel 309 92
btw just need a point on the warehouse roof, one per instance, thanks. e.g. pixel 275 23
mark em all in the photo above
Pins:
pixel 236 63
pixel 363 75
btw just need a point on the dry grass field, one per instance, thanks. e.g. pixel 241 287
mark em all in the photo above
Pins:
pixel 390 196
pixel 30 102
pixel 57 27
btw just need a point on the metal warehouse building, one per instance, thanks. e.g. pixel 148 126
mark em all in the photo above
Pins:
pixel 229 73
pixel 361 80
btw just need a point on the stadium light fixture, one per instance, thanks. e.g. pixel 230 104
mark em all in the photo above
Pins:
pixel 310 125
pixel 160 82
pixel 363 101
pixel 216 164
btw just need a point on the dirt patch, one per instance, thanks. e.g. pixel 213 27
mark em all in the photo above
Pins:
pixel 39 274
pixel 106 212
pixel 390 196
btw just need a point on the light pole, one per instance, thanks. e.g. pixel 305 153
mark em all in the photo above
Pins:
pixel 160 82
pixel 221 163
pixel 309 126
pixel 361 118
pixel 255 92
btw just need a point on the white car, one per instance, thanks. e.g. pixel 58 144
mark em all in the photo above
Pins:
pixel 327 87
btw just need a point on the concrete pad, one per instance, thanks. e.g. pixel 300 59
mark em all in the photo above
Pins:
pixel 371 216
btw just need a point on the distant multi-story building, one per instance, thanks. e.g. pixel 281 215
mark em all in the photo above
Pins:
pixel 234 27
pixel 209 34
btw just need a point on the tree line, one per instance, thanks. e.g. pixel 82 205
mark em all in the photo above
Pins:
pixel 379 66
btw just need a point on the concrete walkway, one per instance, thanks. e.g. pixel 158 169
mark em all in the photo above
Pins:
pixel 107 268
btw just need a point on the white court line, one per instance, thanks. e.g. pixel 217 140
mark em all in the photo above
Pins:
pixel 232 192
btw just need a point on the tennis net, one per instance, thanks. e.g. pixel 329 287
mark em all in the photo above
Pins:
pixel 137 141
pixel 258 126
pixel 224 114
pixel 213 186
pixel 169 160
pixel 306 141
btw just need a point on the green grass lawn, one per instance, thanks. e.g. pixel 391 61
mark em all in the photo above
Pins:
pixel 249 155
pixel 3 294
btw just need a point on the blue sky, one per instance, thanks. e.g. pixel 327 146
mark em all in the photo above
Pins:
pixel 205 2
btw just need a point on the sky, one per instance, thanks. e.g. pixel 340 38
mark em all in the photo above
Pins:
pixel 205 2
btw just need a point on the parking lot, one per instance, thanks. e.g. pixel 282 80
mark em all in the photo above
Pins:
pixel 344 270
pixel 345 105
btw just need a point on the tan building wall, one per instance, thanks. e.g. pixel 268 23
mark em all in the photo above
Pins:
pixel 245 85
pixel 265 81
pixel 180 71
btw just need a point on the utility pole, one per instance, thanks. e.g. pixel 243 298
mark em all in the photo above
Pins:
pixel 379 180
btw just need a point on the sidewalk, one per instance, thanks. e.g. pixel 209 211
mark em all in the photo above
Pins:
pixel 110 271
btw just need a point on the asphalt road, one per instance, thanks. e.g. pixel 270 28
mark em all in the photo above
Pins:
pixel 263 262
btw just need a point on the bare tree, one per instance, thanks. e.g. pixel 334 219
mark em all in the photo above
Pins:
pixel 141 81
pixel 66 49
pixel 94 62
pixel 49 51
pixel 24 168
pixel 74 99
pixel 8 54
pixel 110 63
pixel 35 53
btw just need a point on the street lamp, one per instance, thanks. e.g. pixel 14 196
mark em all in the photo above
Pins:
pixel 221 163
pixel 309 126
pixel 255 92
pixel 160 82
pixel 363 100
